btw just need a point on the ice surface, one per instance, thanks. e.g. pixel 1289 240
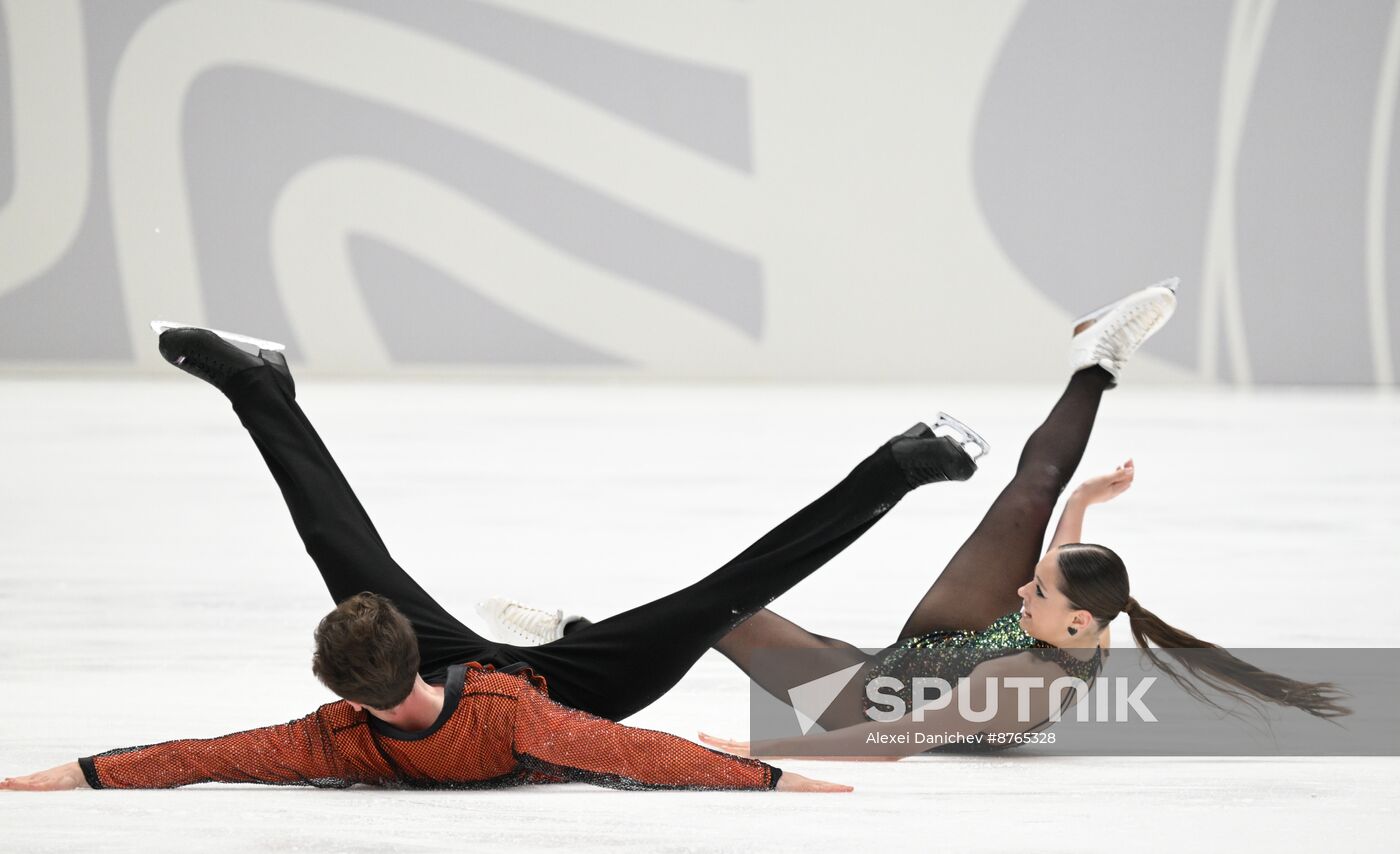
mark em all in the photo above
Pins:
pixel 151 587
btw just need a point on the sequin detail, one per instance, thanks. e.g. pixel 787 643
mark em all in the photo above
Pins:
pixel 949 654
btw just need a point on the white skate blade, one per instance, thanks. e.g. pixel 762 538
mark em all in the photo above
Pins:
pixel 1167 284
pixel 971 441
pixel 161 325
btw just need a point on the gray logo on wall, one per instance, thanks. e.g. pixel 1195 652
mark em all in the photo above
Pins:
pixel 418 182
pixel 259 106
pixel 1248 146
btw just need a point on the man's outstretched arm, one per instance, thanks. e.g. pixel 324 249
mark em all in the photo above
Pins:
pixel 568 744
pixel 299 752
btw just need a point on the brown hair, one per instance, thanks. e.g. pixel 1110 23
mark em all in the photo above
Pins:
pixel 1096 579
pixel 366 651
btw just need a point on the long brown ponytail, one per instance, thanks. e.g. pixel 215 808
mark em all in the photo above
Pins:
pixel 1096 580
pixel 1224 672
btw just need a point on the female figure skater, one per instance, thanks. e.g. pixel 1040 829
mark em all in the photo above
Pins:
pixel 427 701
pixel 999 609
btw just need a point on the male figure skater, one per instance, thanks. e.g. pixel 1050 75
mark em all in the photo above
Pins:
pixel 427 702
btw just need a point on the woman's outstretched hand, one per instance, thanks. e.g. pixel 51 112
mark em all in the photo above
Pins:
pixel 728 745
pixel 68 776
pixel 791 782
pixel 741 748
pixel 1106 487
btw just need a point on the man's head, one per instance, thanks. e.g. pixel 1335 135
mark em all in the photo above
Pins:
pixel 366 652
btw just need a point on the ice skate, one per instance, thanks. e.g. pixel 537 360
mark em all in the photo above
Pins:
pixel 970 440
pixel 513 623
pixel 215 356
pixel 237 337
pixel 946 451
pixel 1108 336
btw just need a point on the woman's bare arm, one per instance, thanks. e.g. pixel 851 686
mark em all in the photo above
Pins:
pixel 1095 490
pixel 1018 709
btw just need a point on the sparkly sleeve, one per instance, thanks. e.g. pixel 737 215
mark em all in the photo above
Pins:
pixel 297 753
pixel 572 745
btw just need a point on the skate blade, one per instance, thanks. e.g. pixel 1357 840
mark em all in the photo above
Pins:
pixel 161 325
pixel 970 440
pixel 1166 284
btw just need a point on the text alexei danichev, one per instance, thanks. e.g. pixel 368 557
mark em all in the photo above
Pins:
pixel 938 739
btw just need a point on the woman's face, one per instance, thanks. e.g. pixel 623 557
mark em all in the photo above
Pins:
pixel 1046 613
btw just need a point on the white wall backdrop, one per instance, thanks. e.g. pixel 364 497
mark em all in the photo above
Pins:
pixel 703 188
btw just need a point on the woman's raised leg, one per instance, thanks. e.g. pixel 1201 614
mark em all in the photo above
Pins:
pixel 979 584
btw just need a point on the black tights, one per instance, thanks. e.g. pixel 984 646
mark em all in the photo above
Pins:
pixel 979 584
pixel 611 668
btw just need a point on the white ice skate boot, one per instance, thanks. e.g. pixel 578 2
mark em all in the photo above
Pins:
pixel 1108 336
pixel 513 623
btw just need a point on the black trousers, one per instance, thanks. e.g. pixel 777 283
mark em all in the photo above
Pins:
pixel 612 668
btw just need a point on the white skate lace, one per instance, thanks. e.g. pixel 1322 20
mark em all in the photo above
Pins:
pixel 1118 344
pixel 528 623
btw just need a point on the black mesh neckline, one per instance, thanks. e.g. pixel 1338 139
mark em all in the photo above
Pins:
pixel 1083 668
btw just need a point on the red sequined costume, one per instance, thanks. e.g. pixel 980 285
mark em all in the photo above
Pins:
pixel 496 729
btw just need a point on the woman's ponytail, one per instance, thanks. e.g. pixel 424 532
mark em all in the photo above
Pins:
pixel 1096 580
pixel 1224 672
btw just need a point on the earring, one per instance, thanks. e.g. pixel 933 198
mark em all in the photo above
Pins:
pixel 1073 631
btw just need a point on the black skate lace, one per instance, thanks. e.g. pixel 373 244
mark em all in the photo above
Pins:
pixel 211 367
pixel 929 468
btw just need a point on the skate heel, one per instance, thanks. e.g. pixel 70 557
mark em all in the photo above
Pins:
pixel 233 337
pixel 926 457
pixel 970 440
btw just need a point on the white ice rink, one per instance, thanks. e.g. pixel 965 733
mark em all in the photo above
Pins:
pixel 152 587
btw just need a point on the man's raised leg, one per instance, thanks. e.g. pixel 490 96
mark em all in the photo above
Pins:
pixel 336 530
pixel 620 665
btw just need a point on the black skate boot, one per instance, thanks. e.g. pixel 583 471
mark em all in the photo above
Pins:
pixel 210 354
pixel 927 457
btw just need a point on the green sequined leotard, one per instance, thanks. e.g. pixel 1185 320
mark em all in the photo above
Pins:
pixel 949 654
